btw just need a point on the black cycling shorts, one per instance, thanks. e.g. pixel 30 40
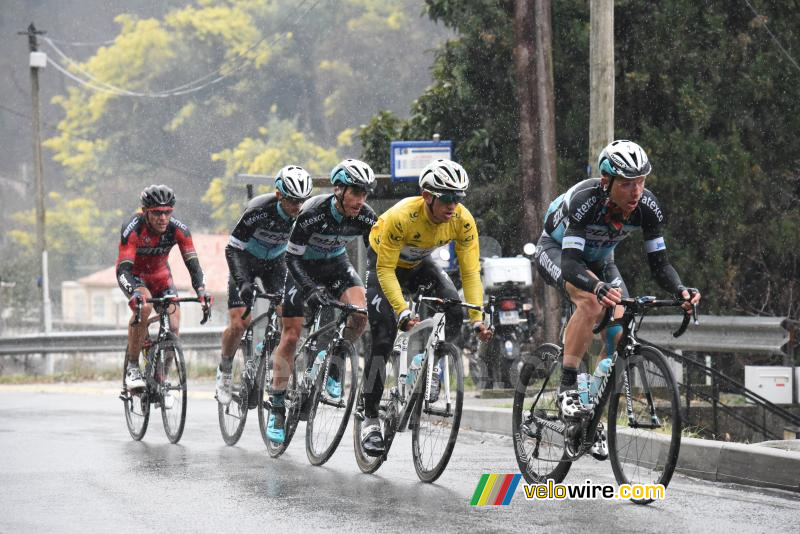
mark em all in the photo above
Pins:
pixel 336 274
pixel 548 264
pixel 272 275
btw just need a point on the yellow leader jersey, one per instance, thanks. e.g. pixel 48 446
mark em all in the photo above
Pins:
pixel 404 235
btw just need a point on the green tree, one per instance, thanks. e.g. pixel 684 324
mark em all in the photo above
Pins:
pixel 702 86
pixel 279 144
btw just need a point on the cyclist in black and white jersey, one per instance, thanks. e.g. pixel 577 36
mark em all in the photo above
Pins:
pixel 320 271
pixel 257 248
pixel 576 252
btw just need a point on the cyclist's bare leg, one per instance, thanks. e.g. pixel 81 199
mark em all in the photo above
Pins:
pixel 284 353
pixel 578 335
pixel 138 332
pixel 356 322
pixel 175 319
pixel 233 335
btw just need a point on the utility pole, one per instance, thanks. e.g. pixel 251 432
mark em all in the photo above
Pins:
pixel 601 79
pixel 39 60
pixel 534 68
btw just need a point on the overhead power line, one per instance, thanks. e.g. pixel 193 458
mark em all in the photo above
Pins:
pixel 232 66
pixel 774 38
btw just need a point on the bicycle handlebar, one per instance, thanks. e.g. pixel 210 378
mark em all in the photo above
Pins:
pixel 640 304
pixel 170 300
pixel 437 302
pixel 274 298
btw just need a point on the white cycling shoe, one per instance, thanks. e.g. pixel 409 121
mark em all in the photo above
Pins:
pixel 224 381
pixel 134 379
pixel 569 403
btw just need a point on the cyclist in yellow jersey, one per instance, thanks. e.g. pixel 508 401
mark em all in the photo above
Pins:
pixel 399 258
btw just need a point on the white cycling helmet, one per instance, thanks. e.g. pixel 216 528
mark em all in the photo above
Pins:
pixel 352 172
pixel 624 158
pixel 444 175
pixel 293 181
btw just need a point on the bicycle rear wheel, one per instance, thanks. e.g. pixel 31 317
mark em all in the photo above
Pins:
pixel 644 450
pixel 329 415
pixel 537 431
pixel 233 417
pixel 436 418
pixel 292 400
pixel 170 375
pixel 137 409
pixel 387 414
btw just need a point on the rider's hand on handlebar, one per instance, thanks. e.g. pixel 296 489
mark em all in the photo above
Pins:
pixel 135 300
pixel 406 321
pixel 483 332
pixel 206 299
pixel 607 294
pixel 318 297
pixel 689 294
pixel 246 294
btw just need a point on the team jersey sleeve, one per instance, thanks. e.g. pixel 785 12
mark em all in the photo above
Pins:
pixel 468 254
pixel 126 258
pixel 184 239
pixel 298 240
pixel 653 220
pixel 235 249
pixel 390 241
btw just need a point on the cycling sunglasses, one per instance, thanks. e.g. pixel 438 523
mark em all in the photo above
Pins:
pixel 293 200
pixel 159 212
pixel 448 198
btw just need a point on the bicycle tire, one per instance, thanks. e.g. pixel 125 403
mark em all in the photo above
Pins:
pixel 174 415
pixel 233 416
pixel 542 372
pixel 292 399
pixel 137 409
pixel 369 464
pixel 642 455
pixel 328 418
pixel 432 417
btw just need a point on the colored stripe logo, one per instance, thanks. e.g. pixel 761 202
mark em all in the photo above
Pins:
pixel 495 489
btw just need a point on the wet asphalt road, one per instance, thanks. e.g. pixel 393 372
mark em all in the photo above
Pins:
pixel 67 464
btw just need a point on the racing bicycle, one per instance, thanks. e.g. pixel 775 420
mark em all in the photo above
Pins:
pixel 644 420
pixel 164 374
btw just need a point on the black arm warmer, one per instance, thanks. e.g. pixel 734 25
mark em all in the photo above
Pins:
pixel 664 273
pixel 125 278
pixel 236 265
pixel 196 273
pixel 574 271
pixel 299 274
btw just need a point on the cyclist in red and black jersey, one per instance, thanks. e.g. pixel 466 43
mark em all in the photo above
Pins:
pixel 143 271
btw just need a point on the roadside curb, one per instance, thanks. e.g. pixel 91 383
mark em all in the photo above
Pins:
pixel 717 461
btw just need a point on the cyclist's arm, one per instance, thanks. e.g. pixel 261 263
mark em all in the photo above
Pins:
pixel 662 270
pixel 390 240
pixel 235 249
pixel 125 260
pixel 186 246
pixel 298 240
pixel 572 266
pixel 468 254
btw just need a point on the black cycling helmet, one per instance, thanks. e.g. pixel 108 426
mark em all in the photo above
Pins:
pixel 155 196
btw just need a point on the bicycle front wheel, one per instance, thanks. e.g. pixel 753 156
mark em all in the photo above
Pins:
pixel 537 430
pixel 171 378
pixel 233 416
pixel 137 409
pixel 387 412
pixel 644 443
pixel 437 413
pixel 330 412
pixel 292 400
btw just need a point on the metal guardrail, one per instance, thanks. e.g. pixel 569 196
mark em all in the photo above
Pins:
pixel 100 341
pixel 754 335
pixel 719 380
